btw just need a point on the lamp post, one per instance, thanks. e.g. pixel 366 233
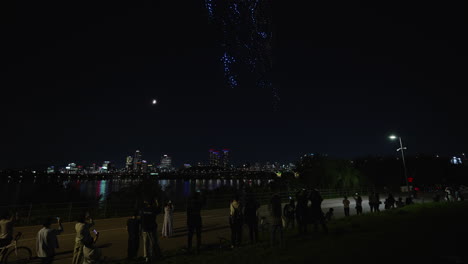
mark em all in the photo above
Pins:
pixel 393 137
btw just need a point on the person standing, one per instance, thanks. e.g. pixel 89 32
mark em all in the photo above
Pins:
pixel 134 233
pixel 377 202
pixel 194 220
pixel 6 228
pixel 82 236
pixel 47 241
pixel 372 202
pixel 168 220
pixel 346 204
pixel 288 212
pixel 91 253
pixel 149 229
pixel 391 201
pixel 316 210
pixel 235 221
pixel 276 220
pixel 251 217
pixel 358 200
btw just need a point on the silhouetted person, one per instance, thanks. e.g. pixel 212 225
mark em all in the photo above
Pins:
pixel 276 220
pixel 390 202
pixel 289 211
pixel 47 241
pixel 235 221
pixel 358 200
pixel 372 202
pixel 149 229
pixel 400 202
pixel 377 202
pixel 251 217
pixel 329 215
pixel 346 204
pixel 194 220
pixel 301 211
pixel 134 232
pixel 316 210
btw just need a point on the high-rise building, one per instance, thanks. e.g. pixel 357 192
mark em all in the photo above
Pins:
pixel 129 163
pixel 214 158
pixel 166 163
pixel 137 161
pixel 144 166
pixel 225 158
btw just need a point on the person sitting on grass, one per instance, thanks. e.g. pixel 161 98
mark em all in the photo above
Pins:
pixel 329 215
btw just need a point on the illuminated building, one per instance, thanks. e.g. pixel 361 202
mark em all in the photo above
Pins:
pixel 225 158
pixel 137 161
pixel 144 166
pixel 51 170
pixel 166 163
pixel 71 168
pixel 214 158
pixel 129 163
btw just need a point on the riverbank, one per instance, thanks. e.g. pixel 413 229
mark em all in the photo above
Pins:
pixel 420 233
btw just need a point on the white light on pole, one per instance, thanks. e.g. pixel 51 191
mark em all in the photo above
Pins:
pixel 393 137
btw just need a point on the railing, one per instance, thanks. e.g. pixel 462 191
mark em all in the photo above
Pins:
pixel 32 214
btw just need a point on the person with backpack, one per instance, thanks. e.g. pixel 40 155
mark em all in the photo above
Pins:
pixel 289 211
pixel 235 221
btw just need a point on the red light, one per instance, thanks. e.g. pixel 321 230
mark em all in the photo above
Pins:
pixel 416 189
pixel 410 179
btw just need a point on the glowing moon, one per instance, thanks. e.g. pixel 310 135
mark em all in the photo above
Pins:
pixel 154 101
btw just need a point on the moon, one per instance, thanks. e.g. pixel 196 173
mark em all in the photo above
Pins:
pixel 154 102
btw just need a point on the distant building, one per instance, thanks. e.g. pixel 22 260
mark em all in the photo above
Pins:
pixel 137 161
pixel 225 158
pixel 214 158
pixel 51 170
pixel 144 166
pixel 71 168
pixel 166 163
pixel 129 163
pixel 219 158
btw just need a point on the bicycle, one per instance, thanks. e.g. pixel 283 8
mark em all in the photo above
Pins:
pixel 19 255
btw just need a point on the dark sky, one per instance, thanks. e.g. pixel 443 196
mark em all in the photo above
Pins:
pixel 78 80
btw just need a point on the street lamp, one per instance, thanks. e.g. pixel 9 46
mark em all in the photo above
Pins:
pixel 393 137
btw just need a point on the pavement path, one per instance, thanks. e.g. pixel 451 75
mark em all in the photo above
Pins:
pixel 113 236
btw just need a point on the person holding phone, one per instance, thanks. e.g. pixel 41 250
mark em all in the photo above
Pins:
pixel 91 253
pixel 47 241
pixel 82 237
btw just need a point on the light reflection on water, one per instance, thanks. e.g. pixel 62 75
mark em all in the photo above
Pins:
pixel 13 193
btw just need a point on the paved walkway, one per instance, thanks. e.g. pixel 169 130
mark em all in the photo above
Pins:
pixel 113 236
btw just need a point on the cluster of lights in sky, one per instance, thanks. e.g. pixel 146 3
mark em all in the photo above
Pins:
pixel 247 40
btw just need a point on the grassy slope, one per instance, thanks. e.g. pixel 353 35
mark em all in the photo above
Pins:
pixel 423 233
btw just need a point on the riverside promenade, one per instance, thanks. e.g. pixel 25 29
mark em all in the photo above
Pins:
pixel 113 235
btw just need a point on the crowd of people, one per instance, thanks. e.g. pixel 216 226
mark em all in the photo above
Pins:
pixel 299 212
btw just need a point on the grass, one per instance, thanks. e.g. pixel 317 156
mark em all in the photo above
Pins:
pixel 420 233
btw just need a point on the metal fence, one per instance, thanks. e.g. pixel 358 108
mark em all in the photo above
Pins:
pixel 32 214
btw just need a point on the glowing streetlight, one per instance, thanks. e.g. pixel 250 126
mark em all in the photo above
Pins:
pixel 394 137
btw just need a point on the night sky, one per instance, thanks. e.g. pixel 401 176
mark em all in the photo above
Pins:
pixel 78 80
